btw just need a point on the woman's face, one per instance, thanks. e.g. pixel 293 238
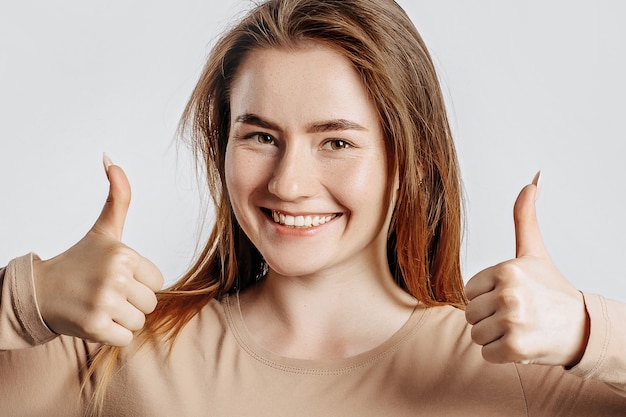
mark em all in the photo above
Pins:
pixel 306 167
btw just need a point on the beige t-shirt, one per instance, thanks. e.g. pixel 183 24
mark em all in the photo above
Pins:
pixel 430 367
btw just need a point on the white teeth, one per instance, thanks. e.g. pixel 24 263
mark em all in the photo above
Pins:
pixel 300 221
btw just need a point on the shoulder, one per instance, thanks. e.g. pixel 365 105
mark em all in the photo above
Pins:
pixel 210 321
pixel 447 322
pixel 441 334
pixel 449 366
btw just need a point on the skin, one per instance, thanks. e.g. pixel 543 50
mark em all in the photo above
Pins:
pixel 306 141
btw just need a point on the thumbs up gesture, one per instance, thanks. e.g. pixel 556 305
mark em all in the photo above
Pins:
pixel 99 290
pixel 523 310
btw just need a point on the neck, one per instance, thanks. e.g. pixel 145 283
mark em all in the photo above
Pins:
pixel 336 314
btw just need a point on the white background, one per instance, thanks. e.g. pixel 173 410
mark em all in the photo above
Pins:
pixel 530 85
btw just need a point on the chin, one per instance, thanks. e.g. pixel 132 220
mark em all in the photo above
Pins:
pixel 294 270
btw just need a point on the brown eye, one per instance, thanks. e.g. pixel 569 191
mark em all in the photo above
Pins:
pixel 338 144
pixel 265 138
pixel 262 138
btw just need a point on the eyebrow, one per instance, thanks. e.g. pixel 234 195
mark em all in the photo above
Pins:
pixel 333 125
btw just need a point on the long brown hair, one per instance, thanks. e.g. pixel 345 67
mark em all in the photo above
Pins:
pixel 385 48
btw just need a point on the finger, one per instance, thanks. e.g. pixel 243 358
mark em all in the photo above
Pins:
pixel 528 241
pixel 480 308
pixel 127 316
pixel 141 297
pixel 493 352
pixel 116 335
pixel 505 350
pixel 480 283
pixel 487 331
pixel 113 215
pixel 149 275
pixel 103 329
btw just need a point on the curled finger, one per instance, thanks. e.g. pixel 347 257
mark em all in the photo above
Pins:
pixel 480 308
pixel 487 331
pixel 141 297
pixel 129 317
pixel 149 275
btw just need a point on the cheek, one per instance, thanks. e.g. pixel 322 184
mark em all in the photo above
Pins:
pixel 245 173
pixel 362 185
pixel 236 178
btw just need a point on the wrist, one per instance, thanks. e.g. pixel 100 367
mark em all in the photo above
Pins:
pixel 582 339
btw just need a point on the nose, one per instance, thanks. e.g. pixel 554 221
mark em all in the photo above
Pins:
pixel 294 175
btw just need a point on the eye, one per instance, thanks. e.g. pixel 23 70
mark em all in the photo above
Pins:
pixel 337 144
pixel 262 138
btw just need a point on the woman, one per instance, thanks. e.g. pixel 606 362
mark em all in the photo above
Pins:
pixel 330 284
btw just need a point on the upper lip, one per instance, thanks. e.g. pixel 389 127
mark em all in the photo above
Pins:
pixel 271 211
pixel 300 213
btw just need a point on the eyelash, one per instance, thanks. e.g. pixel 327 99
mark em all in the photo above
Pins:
pixel 265 138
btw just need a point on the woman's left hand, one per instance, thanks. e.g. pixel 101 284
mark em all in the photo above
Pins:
pixel 523 310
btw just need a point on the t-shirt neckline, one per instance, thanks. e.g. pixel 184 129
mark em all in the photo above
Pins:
pixel 337 366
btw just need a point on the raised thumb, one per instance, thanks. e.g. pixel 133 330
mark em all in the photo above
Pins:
pixel 528 239
pixel 113 215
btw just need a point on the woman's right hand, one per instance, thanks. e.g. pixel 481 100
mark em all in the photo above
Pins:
pixel 100 289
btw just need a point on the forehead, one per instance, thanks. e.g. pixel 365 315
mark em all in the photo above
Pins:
pixel 302 85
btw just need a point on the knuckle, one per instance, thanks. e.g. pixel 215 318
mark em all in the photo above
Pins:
pixel 510 300
pixel 123 254
pixel 507 273
pixel 112 281
pixel 103 301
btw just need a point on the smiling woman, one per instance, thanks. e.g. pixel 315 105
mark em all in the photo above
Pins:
pixel 331 280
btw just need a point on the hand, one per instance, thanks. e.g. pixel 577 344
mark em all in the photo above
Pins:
pixel 99 290
pixel 523 310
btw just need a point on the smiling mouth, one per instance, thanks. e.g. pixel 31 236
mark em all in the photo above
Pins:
pixel 303 221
